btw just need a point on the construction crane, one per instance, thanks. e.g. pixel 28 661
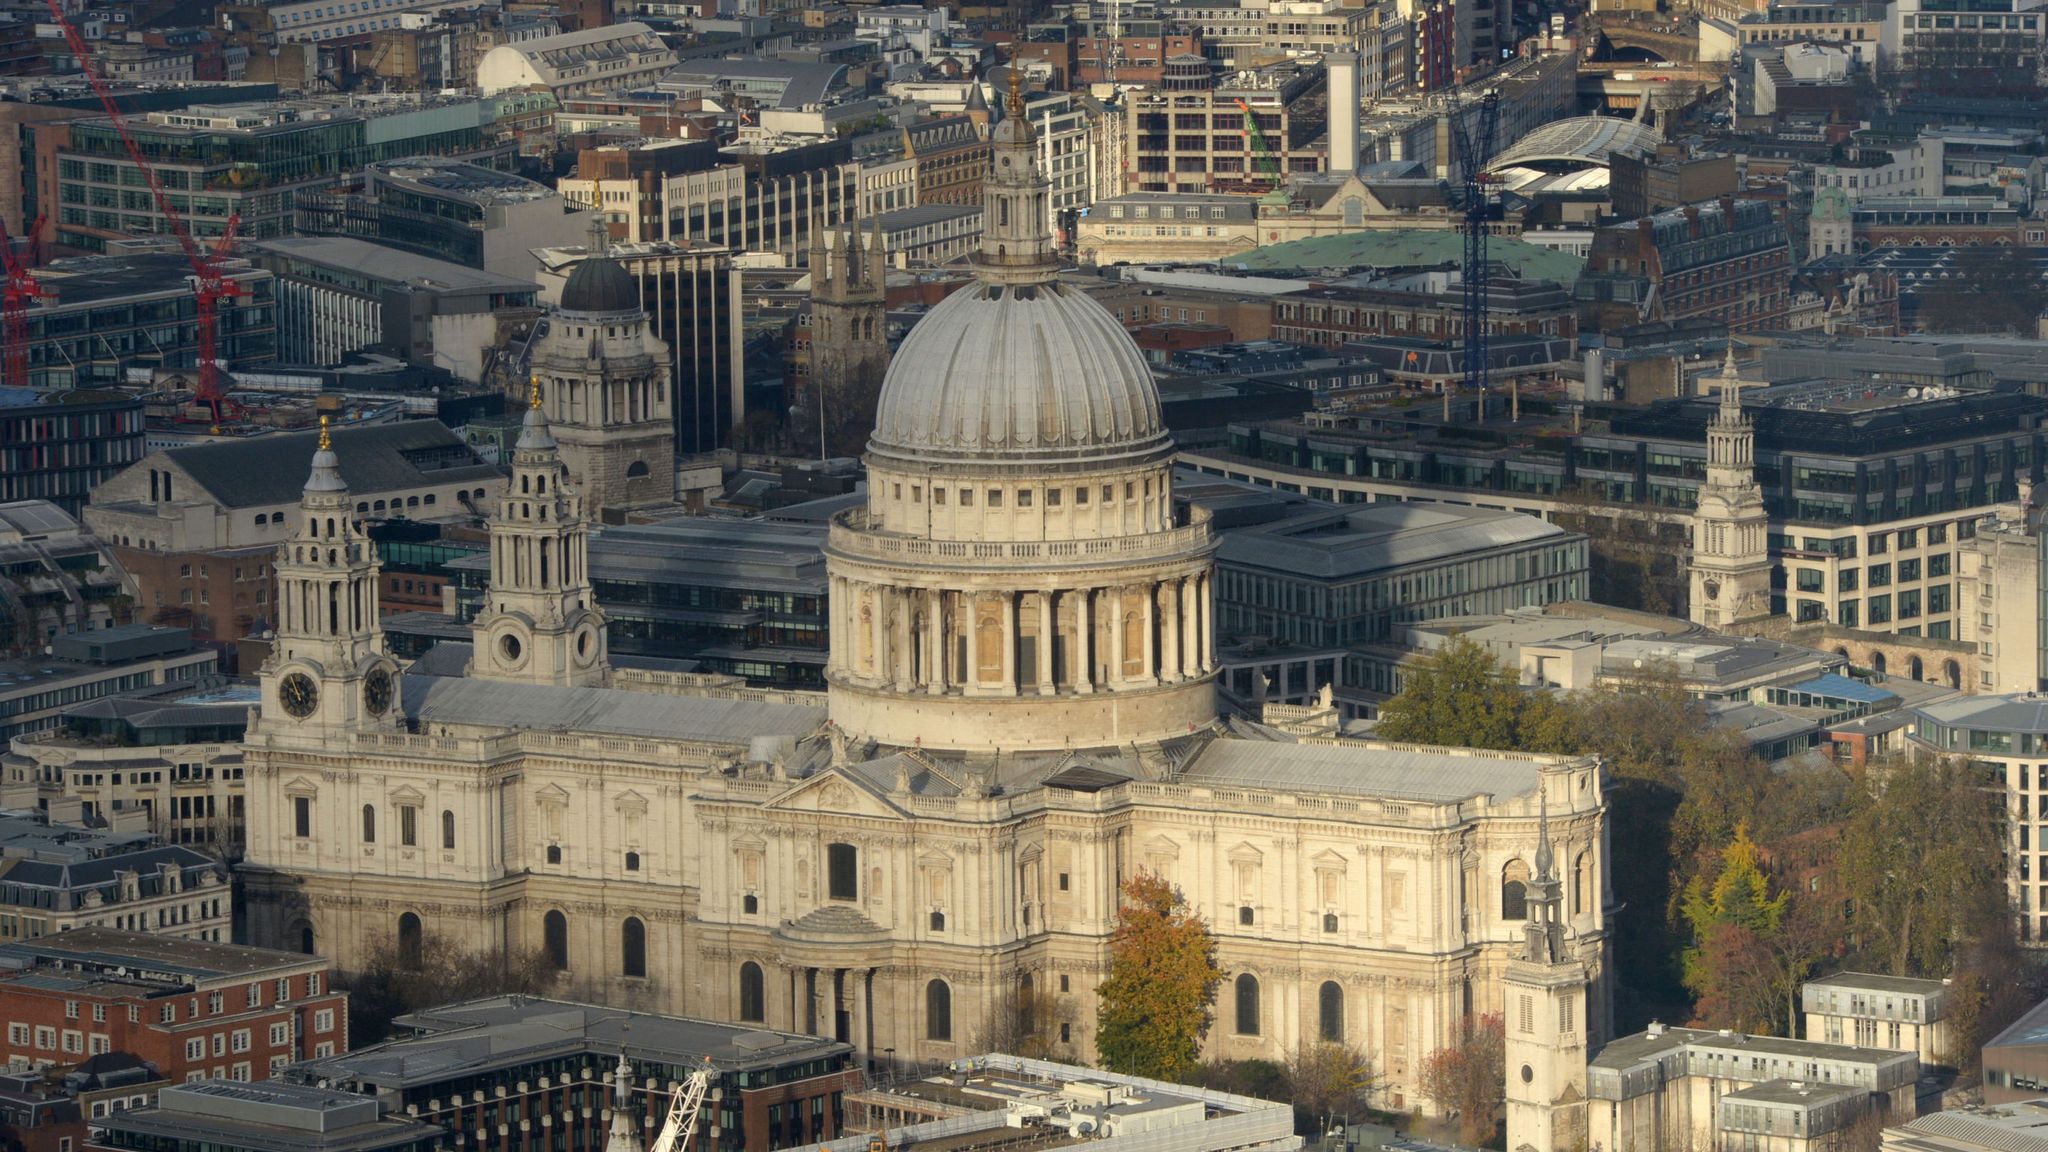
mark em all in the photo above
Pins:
pixel 1477 206
pixel 1263 161
pixel 210 282
pixel 681 1126
pixel 20 287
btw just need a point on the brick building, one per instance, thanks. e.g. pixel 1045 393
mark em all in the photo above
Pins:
pixel 1727 260
pixel 951 153
pixel 1431 305
pixel 194 1009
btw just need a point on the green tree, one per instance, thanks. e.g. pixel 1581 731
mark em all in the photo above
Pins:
pixel 1468 1079
pixel 1155 1005
pixel 1921 862
pixel 1733 918
pixel 1327 1081
pixel 1462 696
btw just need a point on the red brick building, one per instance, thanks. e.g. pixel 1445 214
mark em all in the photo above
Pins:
pixel 194 1009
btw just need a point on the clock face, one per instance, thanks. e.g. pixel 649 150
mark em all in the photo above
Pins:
pixel 377 691
pixel 1713 589
pixel 299 695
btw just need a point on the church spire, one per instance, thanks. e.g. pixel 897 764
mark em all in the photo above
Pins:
pixel 625 1135
pixel 1543 934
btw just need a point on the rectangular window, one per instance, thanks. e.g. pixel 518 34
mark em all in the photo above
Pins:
pixel 302 816
pixel 1024 498
pixel 995 497
pixel 842 864
pixel 279 1035
pixel 409 822
pixel 323 1020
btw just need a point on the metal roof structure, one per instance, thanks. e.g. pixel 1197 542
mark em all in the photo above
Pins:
pixel 376 458
pixel 437 700
pixel 2026 712
pixel 1578 142
pixel 1406 248
pixel 1354 542
pixel 1393 771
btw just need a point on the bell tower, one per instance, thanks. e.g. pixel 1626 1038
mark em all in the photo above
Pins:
pixel 849 336
pixel 1546 1020
pixel 327 667
pixel 540 624
pixel 1731 559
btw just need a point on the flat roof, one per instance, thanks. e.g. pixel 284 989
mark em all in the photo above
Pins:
pixel 1392 771
pixel 2021 712
pixel 393 264
pixel 505 1031
pixel 1341 543
pixel 1406 248
pixel 143 952
pixel 1877 982
pixel 269 1115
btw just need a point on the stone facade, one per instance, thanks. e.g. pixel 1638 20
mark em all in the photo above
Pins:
pixel 902 861
pixel 1731 557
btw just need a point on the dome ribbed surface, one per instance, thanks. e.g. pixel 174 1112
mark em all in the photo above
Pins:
pixel 1026 372
pixel 600 284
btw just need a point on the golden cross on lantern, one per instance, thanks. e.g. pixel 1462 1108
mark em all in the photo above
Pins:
pixel 325 441
pixel 1015 104
pixel 533 393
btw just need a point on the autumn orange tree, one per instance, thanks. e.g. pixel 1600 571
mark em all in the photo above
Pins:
pixel 1468 1078
pixel 1155 1005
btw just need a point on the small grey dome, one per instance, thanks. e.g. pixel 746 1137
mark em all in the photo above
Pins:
pixel 600 284
pixel 1026 373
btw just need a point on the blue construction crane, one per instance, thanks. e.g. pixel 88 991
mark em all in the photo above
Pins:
pixel 1469 195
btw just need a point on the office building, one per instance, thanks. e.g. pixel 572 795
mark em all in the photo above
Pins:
pixel 56 579
pixel 272 1116
pixel 607 58
pixel 194 1009
pixel 57 446
pixel 338 295
pixel 450 210
pixel 1870 1010
pixel 108 316
pixel 1429 305
pixel 2004 735
pixel 244 160
pixel 756 196
pixel 39 689
pixel 168 762
pixel 1980 46
pixel 770 1089
pixel 62 878
pixel 2015 1062
pixel 1669 1087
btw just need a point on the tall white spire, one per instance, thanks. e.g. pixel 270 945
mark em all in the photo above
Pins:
pixel 625 1133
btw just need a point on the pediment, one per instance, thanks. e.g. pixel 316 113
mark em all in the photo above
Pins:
pixel 835 790
pixel 1244 853
pixel 553 796
pixel 1328 860
pixel 749 843
pixel 407 794
pixel 301 786
pixel 937 860
pixel 1161 848
pixel 631 803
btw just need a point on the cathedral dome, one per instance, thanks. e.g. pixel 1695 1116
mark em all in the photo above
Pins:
pixel 1020 372
pixel 600 284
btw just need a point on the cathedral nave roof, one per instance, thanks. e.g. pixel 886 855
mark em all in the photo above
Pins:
pixel 460 701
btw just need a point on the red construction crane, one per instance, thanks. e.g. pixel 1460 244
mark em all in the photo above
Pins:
pixel 19 288
pixel 210 283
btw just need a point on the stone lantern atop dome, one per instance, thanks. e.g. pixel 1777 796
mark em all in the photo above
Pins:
pixel 1020 577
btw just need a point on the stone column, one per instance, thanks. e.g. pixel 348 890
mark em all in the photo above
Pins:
pixel 1150 632
pixel 1190 657
pixel 936 650
pixel 1205 636
pixel 1008 683
pixel 837 978
pixel 1168 594
pixel 1082 654
pixel 878 605
pixel 970 611
pixel 904 602
pixel 857 1012
pixel 1045 634
pixel 1116 635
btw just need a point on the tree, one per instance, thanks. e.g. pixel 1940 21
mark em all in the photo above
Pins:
pixel 1024 1022
pixel 1155 1005
pixel 1922 865
pixel 1468 1079
pixel 445 972
pixel 1327 1081
pixel 1733 918
pixel 1462 696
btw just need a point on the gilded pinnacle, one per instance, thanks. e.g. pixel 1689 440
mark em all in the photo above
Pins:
pixel 325 442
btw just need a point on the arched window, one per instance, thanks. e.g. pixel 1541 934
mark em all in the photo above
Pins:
pixel 1330 1011
pixel 633 947
pixel 1579 876
pixel 408 941
pixel 554 939
pixel 938 1011
pixel 1952 673
pixel 447 830
pixel 753 995
pixel 303 933
pixel 1247 987
pixel 1877 663
pixel 842 872
pixel 1514 891
pixel 636 469
pixel 1913 668
pixel 369 823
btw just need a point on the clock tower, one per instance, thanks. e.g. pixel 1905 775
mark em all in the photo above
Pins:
pixel 540 623
pixel 327 667
pixel 1731 557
